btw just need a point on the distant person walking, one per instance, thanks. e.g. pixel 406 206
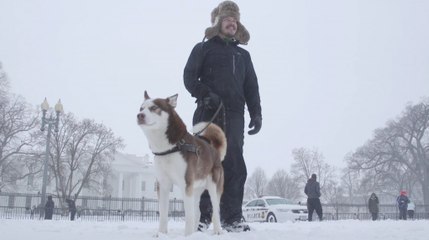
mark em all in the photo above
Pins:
pixel 72 208
pixel 312 190
pixel 373 206
pixel 411 209
pixel 403 201
pixel 32 211
pixel 49 208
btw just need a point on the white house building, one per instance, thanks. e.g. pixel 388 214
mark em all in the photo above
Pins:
pixel 134 177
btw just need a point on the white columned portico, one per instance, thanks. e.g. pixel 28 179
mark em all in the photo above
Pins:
pixel 131 183
pixel 120 184
pixel 129 172
pixel 139 185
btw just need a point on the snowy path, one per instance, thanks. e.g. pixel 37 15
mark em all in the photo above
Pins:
pixel 333 230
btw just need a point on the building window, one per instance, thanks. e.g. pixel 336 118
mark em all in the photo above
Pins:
pixel 143 186
pixel 156 186
pixel 11 202
pixel 28 202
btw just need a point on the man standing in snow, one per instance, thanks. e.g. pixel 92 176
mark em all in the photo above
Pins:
pixel 49 208
pixel 373 206
pixel 403 201
pixel 72 208
pixel 220 75
pixel 312 190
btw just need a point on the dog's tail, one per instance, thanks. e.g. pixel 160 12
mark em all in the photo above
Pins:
pixel 214 134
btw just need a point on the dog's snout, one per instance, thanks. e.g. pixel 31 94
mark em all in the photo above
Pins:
pixel 140 116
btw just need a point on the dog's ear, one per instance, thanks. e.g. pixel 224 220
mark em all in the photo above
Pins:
pixel 146 96
pixel 172 100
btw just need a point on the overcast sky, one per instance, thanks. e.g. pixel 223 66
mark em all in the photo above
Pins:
pixel 330 72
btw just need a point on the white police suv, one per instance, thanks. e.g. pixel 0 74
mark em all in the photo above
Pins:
pixel 273 209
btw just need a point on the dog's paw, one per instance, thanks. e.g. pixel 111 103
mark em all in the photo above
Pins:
pixel 217 232
pixel 159 234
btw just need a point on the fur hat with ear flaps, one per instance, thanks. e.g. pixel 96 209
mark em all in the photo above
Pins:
pixel 227 9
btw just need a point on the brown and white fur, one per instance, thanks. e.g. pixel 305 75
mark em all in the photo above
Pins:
pixel 191 172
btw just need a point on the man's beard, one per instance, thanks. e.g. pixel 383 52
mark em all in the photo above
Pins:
pixel 227 33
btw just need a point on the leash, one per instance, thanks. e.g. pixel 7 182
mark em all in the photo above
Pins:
pixel 182 145
pixel 212 119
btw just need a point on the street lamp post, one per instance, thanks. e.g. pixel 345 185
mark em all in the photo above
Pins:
pixel 51 122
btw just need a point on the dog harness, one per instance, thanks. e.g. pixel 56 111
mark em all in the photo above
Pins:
pixel 183 146
pixel 180 146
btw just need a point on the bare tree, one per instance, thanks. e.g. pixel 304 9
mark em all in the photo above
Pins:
pixel 4 88
pixel 4 85
pixel 398 154
pixel 307 162
pixel 18 136
pixel 351 184
pixel 283 185
pixel 256 183
pixel 81 156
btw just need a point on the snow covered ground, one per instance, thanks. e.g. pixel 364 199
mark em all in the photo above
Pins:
pixel 328 230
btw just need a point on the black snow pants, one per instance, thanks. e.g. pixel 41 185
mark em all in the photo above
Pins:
pixel 72 214
pixel 48 213
pixel 314 204
pixel 234 167
pixel 403 213
pixel 374 216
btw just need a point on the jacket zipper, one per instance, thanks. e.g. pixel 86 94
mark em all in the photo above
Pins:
pixel 233 63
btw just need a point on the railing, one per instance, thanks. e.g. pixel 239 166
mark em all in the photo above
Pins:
pixel 360 211
pixel 27 206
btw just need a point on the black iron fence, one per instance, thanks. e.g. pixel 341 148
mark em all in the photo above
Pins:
pixel 360 211
pixel 27 206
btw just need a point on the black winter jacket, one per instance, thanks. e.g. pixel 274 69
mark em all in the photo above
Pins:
pixel 373 204
pixel 312 189
pixel 225 69
pixel 50 205
pixel 71 204
pixel 403 201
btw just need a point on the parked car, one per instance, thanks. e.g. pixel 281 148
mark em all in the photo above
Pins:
pixel 273 209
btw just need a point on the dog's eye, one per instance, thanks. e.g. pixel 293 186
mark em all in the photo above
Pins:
pixel 141 109
pixel 153 108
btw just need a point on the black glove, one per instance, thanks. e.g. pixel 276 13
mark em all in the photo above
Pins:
pixel 256 124
pixel 200 91
pixel 212 101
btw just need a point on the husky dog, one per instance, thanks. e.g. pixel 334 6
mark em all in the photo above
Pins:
pixel 193 163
